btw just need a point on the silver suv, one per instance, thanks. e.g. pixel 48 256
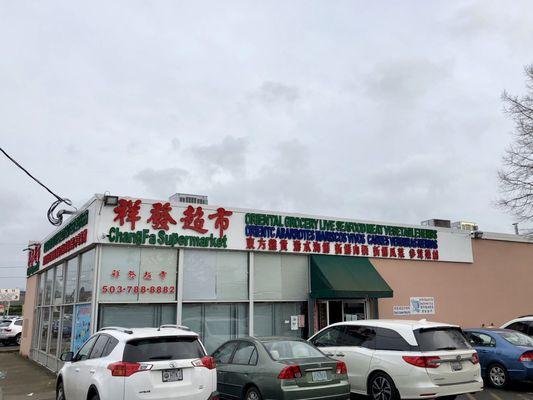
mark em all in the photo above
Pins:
pixel 11 330
pixel 522 324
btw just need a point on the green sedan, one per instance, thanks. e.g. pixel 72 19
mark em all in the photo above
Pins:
pixel 278 368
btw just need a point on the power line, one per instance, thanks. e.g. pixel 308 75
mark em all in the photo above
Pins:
pixel 58 218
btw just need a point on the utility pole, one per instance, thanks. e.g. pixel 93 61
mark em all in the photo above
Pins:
pixel 516 228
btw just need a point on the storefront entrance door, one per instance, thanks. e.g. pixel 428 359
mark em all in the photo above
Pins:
pixel 332 311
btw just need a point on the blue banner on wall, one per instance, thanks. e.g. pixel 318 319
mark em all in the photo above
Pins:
pixel 82 325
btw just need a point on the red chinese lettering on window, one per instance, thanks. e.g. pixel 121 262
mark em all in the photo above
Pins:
pixel 127 211
pixel 221 220
pixel 272 244
pixel 147 276
pixel 161 216
pixel 132 275
pixel 115 273
pixel 163 275
pixel 193 219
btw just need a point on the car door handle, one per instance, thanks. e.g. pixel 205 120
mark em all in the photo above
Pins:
pixel 92 371
pixel 340 354
pixel 329 354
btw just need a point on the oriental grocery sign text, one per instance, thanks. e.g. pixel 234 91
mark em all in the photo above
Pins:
pixel 271 232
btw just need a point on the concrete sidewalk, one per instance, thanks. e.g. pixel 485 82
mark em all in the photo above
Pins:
pixel 24 379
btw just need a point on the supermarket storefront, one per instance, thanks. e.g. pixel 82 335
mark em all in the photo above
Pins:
pixel 223 272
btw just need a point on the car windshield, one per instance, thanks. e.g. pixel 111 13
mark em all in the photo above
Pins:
pixel 163 348
pixel 288 349
pixel 517 338
pixel 436 339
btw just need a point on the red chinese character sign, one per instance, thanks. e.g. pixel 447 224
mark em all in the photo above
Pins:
pixel 221 219
pixel 127 211
pixel 161 216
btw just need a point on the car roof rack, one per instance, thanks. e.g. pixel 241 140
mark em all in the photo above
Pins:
pixel 117 328
pixel 182 327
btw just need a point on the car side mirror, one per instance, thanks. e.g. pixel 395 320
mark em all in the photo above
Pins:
pixel 67 356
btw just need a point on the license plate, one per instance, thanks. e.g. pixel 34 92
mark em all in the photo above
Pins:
pixel 172 375
pixel 457 366
pixel 320 376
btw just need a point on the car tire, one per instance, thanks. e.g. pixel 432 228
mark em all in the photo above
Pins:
pixel 95 396
pixel 60 391
pixel 497 376
pixel 252 394
pixel 18 339
pixel 381 387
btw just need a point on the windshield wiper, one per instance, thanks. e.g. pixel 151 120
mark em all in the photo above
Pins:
pixel 160 358
pixel 447 348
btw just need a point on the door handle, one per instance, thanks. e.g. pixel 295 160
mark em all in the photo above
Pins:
pixel 92 371
pixel 340 354
pixel 329 354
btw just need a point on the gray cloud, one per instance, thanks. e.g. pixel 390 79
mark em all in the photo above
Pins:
pixel 161 182
pixel 270 93
pixel 226 156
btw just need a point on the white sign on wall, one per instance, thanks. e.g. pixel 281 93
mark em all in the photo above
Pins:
pixel 422 305
pixel 401 310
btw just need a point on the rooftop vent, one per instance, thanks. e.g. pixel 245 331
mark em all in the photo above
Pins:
pixel 438 223
pixel 465 226
pixel 188 198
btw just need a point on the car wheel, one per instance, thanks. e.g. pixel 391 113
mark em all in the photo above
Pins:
pixel 252 394
pixel 95 397
pixel 381 387
pixel 18 339
pixel 60 392
pixel 498 376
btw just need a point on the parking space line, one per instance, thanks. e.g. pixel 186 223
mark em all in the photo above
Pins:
pixel 495 395
pixel 470 396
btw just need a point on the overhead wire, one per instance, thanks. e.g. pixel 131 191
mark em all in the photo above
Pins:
pixel 56 219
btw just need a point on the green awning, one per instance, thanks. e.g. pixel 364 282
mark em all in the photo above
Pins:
pixel 342 277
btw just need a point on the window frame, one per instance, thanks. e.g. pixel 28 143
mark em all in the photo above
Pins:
pixel 228 343
pixel 492 343
pixel 241 343
pixel 95 337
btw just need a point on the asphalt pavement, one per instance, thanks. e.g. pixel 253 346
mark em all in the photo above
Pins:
pixel 24 379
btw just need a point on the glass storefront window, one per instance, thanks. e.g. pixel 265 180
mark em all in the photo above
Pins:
pixel 58 286
pixel 136 315
pixel 135 274
pixel 66 330
pixel 49 281
pixel 36 328
pixel 45 324
pixel 215 275
pixel 216 322
pixel 278 319
pixel 41 288
pixel 86 276
pixel 280 277
pixel 54 329
pixel 71 280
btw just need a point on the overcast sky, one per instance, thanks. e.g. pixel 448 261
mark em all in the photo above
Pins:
pixel 380 110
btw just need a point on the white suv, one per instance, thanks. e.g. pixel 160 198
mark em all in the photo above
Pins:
pixel 389 359
pixel 521 324
pixel 168 362
pixel 11 330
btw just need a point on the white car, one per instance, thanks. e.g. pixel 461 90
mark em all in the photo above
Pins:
pixel 521 324
pixel 393 359
pixel 11 330
pixel 168 362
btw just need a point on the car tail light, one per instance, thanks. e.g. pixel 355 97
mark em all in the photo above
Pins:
pixel 423 361
pixel 123 368
pixel 341 368
pixel 526 357
pixel 214 396
pixel 474 358
pixel 290 372
pixel 207 362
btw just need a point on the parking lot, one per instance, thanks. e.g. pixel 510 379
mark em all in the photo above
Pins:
pixel 16 385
